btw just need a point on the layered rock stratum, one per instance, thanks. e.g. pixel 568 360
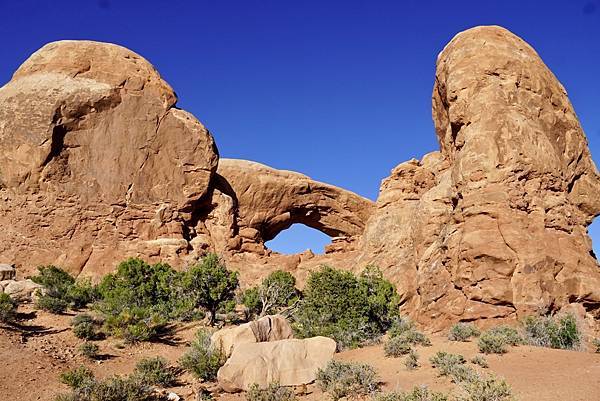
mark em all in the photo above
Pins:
pixel 97 164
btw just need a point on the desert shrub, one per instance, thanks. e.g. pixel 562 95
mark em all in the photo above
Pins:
pixel 251 301
pixel 341 379
pixel 277 291
pixel 155 371
pixel 510 334
pixel 405 329
pixel 87 388
pixel 421 393
pixel 210 284
pixel 463 332
pixel 401 325
pixel 487 388
pixel 479 360
pixel 77 378
pixel 273 392
pixel 81 293
pixel 497 340
pixel 382 298
pixel 492 343
pixel 138 300
pixel 554 332
pixel 55 281
pixel 397 346
pixel 89 350
pixel 596 345
pixel 51 304
pixel 202 359
pixel 452 365
pixel 8 309
pixel 347 308
pixel 61 290
pixel 84 327
pixel 412 360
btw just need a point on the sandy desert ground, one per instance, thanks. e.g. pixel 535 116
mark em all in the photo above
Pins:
pixel 31 361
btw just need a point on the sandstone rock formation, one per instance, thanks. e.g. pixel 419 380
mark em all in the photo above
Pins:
pixel 97 164
pixel 265 329
pixel 495 223
pixel 288 362
pixel 96 161
pixel 21 290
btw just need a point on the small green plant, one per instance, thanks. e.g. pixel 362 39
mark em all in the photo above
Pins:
pixel 492 343
pixel 81 293
pixel 404 329
pixel 421 393
pixel 497 340
pixel 84 327
pixel 51 304
pixel 61 290
pixel 341 379
pixel 510 334
pixel 202 359
pixel 463 332
pixel 77 378
pixel 8 309
pixel 277 291
pixel 156 372
pixel 396 347
pixel 89 350
pixel 85 387
pixel 412 360
pixel 479 360
pixel 273 392
pixel 596 344
pixel 210 284
pixel 554 332
pixel 452 365
pixel 487 388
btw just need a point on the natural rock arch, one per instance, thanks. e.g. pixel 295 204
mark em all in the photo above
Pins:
pixel 268 201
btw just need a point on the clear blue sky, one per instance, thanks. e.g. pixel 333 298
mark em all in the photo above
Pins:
pixel 338 90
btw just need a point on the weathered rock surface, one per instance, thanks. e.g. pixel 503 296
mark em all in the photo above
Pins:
pixel 21 290
pixel 289 362
pixel 96 161
pixel 7 272
pixel 265 329
pixel 97 164
pixel 495 224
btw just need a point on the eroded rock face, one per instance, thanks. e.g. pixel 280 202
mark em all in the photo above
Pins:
pixel 96 164
pixel 95 160
pixel 495 224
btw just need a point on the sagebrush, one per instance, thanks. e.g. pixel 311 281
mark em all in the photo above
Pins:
pixel 341 379
pixel 273 392
pixel 202 359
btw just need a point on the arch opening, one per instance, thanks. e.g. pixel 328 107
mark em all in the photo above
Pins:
pixel 297 239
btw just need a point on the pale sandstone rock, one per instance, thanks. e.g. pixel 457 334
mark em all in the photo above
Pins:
pixel 265 329
pixel 7 272
pixel 289 362
pixel 21 290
